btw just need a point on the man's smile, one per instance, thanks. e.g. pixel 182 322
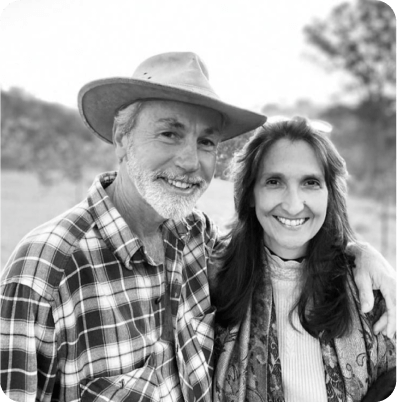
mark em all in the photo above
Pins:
pixel 182 184
pixel 179 184
pixel 180 181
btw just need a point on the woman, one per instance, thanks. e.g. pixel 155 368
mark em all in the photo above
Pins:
pixel 290 327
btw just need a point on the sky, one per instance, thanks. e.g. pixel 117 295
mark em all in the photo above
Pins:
pixel 255 50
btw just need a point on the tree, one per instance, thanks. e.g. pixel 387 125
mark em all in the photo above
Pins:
pixel 226 151
pixel 48 139
pixel 359 39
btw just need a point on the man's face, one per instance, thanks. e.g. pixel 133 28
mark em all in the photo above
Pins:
pixel 171 155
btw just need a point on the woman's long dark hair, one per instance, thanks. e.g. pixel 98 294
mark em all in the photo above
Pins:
pixel 323 304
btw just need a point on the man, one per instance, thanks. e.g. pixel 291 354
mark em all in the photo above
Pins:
pixel 110 301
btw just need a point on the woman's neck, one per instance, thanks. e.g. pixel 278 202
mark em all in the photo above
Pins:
pixel 297 259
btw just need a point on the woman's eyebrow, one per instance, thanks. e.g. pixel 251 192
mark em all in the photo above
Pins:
pixel 317 175
pixel 275 174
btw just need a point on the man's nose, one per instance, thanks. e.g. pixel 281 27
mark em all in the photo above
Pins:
pixel 187 158
pixel 293 202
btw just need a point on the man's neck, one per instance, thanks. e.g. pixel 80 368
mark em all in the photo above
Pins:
pixel 144 221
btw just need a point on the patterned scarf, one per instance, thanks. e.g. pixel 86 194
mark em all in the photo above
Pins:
pixel 249 366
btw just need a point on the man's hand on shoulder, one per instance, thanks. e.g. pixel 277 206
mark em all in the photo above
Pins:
pixel 373 272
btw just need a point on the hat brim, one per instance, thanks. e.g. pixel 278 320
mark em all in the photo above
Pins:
pixel 99 101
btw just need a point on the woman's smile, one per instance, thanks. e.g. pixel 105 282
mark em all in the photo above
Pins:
pixel 291 222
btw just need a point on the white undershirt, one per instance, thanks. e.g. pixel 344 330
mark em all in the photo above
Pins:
pixel 300 354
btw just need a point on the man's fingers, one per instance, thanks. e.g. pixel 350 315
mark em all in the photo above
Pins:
pixel 390 299
pixel 387 322
pixel 381 324
pixel 366 295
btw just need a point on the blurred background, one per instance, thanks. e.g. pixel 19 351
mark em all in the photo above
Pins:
pixel 328 60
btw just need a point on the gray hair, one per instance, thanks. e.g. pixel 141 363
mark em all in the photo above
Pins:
pixel 126 118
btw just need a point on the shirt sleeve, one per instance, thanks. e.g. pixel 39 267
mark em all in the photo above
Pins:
pixel 28 344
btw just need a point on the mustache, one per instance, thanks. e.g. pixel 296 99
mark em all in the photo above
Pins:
pixel 192 180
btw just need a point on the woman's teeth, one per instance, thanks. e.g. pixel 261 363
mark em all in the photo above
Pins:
pixel 291 223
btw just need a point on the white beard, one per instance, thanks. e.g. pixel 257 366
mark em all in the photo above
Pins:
pixel 165 203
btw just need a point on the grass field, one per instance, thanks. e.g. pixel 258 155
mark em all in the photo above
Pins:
pixel 25 204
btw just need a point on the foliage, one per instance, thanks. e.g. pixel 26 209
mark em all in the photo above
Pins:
pixel 48 139
pixel 359 39
pixel 370 173
pixel 226 150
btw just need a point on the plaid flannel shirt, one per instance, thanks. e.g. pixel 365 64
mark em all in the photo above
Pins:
pixel 81 316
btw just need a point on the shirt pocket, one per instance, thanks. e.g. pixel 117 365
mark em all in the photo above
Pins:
pixel 138 385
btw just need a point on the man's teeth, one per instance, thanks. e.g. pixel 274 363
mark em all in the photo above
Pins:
pixel 179 184
pixel 291 223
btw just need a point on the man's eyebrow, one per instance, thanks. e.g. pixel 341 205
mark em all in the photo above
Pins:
pixel 172 122
pixel 212 130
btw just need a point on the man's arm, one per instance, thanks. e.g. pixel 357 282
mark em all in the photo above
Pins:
pixel 28 344
pixel 373 272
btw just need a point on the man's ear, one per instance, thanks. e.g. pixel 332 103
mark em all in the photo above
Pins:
pixel 120 141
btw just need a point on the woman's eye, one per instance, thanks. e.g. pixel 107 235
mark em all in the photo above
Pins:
pixel 272 182
pixel 312 183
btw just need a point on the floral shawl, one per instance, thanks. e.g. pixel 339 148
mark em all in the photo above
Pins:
pixel 248 364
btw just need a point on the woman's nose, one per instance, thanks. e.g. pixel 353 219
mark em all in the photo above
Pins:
pixel 294 202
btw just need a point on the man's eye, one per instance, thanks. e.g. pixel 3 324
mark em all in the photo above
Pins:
pixel 207 143
pixel 168 134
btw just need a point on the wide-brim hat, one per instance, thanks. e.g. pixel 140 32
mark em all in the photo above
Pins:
pixel 175 76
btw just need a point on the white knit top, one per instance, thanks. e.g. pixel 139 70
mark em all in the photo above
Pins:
pixel 300 354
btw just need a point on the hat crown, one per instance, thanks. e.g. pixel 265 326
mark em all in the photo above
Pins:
pixel 183 70
pixel 173 76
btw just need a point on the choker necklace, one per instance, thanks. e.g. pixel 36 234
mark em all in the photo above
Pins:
pixel 299 259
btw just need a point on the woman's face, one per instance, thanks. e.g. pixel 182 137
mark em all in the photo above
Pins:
pixel 290 197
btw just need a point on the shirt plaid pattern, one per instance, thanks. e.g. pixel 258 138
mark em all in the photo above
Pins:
pixel 81 317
